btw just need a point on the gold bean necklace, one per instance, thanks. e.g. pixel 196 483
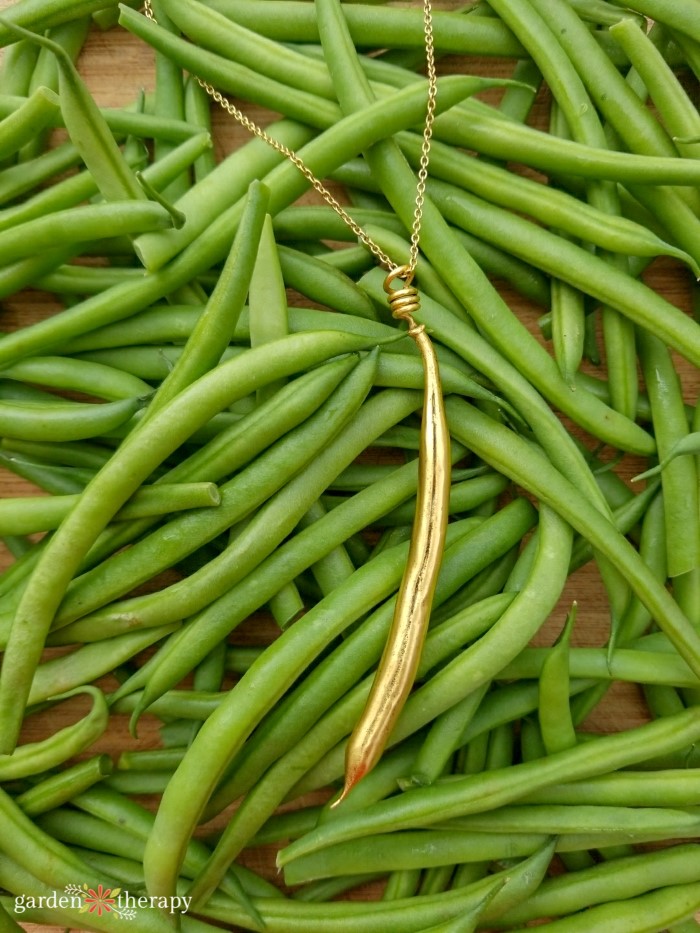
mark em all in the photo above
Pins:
pixel 399 661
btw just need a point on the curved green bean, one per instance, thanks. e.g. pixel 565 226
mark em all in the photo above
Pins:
pixel 62 372
pixel 35 757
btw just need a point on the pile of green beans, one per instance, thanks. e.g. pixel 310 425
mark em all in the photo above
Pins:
pixel 209 436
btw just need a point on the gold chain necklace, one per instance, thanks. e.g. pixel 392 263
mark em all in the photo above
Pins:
pixel 399 662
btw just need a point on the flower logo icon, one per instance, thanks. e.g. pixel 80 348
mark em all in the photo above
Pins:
pixel 101 900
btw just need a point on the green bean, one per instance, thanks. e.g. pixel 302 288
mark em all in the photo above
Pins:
pixel 482 792
pixel 471 839
pixel 79 454
pixel 197 112
pixel 267 301
pixel 597 529
pixel 47 859
pixel 74 226
pixel 615 99
pixel 525 279
pixel 70 36
pixel 86 126
pixel 210 29
pixel 35 14
pixel 324 284
pixel 329 150
pixel 625 517
pixel 57 789
pixel 210 335
pixel 464 497
pixel 623 878
pixel 50 478
pixel 127 871
pixel 552 206
pixel 554 713
pixel 71 191
pixel 374 26
pixel 8 922
pixel 16 180
pixel 29 892
pixel 581 820
pixel 23 273
pixel 316 623
pixel 640 131
pixel 258 537
pixel 249 489
pixel 677 111
pixel 646 913
pixel 631 665
pixel 336 566
pixel 180 704
pixel 449 686
pixel 679 479
pixel 322 223
pixel 283 728
pixel 680 19
pixel 77 375
pixel 26 515
pixel 435 880
pixel 169 101
pixel 228 452
pixel 86 280
pixel 444 737
pixel 143 450
pixel 17 67
pixel 139 783
pixel 63 420
pixel 486 132
pixel 221 188
pixel 405 915
pixel 27 121
pixel 558 257
pixel 35 757
pixel 115 812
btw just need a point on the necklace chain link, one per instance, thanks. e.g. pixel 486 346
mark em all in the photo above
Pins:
pixel 408 270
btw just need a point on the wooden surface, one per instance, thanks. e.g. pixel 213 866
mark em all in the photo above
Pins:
pixel 116 67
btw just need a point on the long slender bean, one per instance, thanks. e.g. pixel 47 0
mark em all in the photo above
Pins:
pixel 679 478
pixel 403 915
pixel 446 845
pixel 550 205
pixel 482 792
pixel 57 789
pixel 590 274
pixel 377 26
pixel 27 515
pixel 63 420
